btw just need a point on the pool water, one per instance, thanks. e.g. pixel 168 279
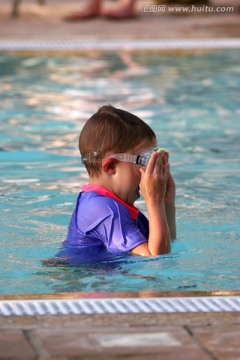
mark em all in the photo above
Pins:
pixel 191 102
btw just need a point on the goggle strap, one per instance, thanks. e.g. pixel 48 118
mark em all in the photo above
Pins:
pixel 125 157
pixel 134 159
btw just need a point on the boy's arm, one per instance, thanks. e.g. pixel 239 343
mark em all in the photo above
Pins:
pixel 153 188
pixel 170 209
pixel 171 219
pixel 169 200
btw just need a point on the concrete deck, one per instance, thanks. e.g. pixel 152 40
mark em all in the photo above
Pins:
pixel 168 336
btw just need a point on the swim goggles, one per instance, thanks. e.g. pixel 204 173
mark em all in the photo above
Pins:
pixel 141 159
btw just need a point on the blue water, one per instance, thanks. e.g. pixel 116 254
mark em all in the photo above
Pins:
pixel 191 102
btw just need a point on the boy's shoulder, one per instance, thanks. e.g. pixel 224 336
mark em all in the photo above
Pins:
pixel 93 201
pixel 94 196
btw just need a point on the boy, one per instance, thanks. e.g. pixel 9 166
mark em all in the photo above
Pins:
pixel 115 147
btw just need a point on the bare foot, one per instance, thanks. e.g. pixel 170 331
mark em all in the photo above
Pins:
pixel 91 10
pixel 120 13
pixel 77 16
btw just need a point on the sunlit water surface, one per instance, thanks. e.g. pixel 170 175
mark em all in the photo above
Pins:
pixel 191 102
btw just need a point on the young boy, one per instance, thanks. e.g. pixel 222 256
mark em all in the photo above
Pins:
pixel 115 147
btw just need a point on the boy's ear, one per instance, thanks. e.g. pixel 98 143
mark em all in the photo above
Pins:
pixel 109 165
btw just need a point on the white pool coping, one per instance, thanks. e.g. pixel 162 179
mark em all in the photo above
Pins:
pixel 119 305
pixel 118 45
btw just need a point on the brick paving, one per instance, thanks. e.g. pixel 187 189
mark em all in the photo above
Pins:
pixel 133 336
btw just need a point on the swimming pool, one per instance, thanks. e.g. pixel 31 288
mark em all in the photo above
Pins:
pixel 192 103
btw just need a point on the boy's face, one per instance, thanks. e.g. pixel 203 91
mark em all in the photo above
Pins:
pixel 128 175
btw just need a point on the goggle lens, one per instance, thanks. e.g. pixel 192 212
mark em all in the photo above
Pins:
pixel 143 159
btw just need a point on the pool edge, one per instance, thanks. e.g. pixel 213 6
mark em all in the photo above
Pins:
pixel 119 305
pixel 129 294
pixel 28 45
pixel 97 303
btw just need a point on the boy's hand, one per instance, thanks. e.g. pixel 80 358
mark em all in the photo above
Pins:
pixel 154 179
pixel 169 198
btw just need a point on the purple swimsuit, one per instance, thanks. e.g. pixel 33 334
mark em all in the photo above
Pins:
pixel 102 220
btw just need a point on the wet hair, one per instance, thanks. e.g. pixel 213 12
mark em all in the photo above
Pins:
pixel 111 130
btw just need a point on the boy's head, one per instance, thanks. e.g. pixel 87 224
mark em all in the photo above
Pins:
pixel 111 130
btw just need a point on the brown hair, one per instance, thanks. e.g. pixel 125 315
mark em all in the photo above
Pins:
pixel 110 130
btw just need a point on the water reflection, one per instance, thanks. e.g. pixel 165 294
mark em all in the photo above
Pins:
pixel 191 102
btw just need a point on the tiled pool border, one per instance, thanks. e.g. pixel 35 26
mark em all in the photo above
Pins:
pixel 118 45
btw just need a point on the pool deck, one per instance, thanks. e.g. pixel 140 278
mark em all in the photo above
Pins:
pixel 46 23
pixel 199 335
pixel 211 336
